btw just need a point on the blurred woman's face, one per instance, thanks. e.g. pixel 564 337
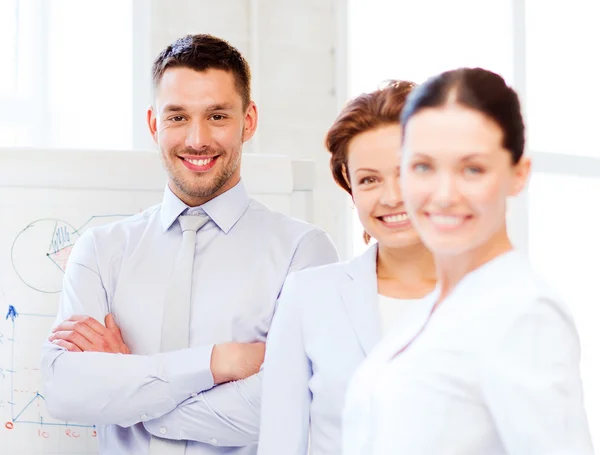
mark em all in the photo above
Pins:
pixel 456 178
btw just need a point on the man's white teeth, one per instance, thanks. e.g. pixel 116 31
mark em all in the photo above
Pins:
pixel 199 162
pixel 443 220
pixel 395 218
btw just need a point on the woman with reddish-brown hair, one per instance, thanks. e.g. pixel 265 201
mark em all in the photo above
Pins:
pixel 329 318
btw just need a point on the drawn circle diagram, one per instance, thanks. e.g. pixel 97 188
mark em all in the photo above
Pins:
pixel 40 252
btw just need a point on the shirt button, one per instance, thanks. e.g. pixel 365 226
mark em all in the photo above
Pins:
pixel 193 395
pixel 163 430
pixel 213 441
pixel 143 417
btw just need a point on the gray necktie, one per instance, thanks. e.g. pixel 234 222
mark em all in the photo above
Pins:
pixel 176 314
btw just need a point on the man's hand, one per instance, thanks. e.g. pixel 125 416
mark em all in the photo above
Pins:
pixel 85 334
pixel 235 361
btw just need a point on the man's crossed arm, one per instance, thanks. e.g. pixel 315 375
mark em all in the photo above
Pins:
pixel 156 390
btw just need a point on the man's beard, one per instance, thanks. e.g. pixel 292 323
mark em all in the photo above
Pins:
pixel 203 187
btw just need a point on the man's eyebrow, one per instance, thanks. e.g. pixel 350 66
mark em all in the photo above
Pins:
pixel 170 108
pixel 219 107
pixel 173 108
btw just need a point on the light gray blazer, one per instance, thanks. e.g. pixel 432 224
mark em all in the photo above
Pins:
pixel 326 322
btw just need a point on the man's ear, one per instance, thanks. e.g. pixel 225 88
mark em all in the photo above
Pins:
pixel 250 121
pixel 151 120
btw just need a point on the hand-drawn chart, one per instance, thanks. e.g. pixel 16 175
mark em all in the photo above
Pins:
pixel 26 403
pixel 48 199
pixel 40 252
pixel 38 257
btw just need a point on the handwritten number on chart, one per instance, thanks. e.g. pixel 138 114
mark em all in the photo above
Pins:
pixel 43 434
pixel 72 434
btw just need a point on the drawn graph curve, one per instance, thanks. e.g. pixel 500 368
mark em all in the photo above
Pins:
pixel 40 251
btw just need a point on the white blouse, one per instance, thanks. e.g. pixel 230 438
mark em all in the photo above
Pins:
pixel 392 310
pixel 495 371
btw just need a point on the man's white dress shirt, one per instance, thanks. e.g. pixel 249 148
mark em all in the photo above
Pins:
pixel 243 255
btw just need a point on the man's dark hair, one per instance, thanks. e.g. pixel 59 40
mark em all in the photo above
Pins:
pixel 201 53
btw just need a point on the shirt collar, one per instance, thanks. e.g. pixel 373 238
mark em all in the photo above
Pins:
pixel 225 210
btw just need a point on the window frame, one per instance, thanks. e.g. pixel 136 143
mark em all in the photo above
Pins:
pixel 543 162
